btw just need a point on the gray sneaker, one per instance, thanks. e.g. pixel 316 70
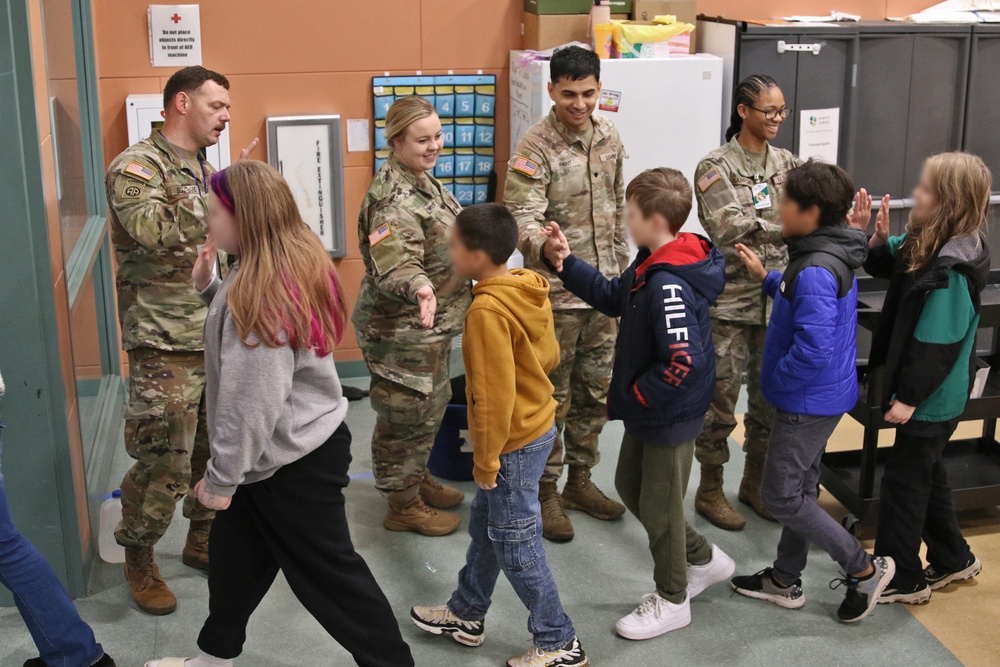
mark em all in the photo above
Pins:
pixel 762 586
pixel 863 594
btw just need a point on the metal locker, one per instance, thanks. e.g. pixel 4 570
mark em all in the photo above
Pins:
pixel 909 101
pixel 982 112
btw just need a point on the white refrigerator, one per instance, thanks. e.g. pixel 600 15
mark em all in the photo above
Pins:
pixel 668 109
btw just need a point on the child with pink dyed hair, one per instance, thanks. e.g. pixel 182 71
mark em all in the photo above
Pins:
pixel 280 447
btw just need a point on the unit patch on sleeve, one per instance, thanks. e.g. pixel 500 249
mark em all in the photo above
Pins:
pixel 524 165
pixel 709 178
pixel 140 171
pixel 132 191
pixel 379 235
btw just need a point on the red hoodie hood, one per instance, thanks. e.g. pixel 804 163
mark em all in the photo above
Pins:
pixel 685 249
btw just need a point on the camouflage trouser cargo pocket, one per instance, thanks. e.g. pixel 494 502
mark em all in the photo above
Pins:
pixel 164 432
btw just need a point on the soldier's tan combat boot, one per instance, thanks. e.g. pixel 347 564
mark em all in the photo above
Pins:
pixel 753 474
pixel 196 550
pixel 556 526
pixel 149 590
pixel 580 493
pixel 711 503
pixel 409 512
pixel 437 494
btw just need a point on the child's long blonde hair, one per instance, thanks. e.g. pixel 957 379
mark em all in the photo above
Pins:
pixel 962 184
pixel 286 291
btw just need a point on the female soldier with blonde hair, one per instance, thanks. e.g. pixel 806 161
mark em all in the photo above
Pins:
pixel 410 308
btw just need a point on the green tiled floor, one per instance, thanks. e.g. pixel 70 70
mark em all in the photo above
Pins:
pixel 602 575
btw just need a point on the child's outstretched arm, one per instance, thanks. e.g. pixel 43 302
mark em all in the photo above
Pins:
pixel 584 280
pixel 771 279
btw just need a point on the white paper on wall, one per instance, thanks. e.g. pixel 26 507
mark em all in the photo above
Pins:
pixel 819 134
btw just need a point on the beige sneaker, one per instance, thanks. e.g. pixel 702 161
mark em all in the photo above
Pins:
pixel 417 517
pixel 570 655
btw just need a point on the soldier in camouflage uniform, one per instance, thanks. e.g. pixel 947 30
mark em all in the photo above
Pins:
pixel 738 188
pixel 157 196
pixel 568 169
pixel 403 230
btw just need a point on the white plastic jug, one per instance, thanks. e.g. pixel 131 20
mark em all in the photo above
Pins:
pixel 111 515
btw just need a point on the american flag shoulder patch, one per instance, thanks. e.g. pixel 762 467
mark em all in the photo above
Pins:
pixel 379 235
pixel 140 171
pixel 708 179
pixel 524 165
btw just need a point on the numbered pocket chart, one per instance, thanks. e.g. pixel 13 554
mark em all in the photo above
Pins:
pixel 466 105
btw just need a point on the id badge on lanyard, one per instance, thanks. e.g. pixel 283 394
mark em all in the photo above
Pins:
pixel 761 196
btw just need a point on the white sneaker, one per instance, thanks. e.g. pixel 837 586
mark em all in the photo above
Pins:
pixel 715 571
pixel 655 617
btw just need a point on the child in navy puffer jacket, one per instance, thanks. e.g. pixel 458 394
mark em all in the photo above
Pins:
pixel 808 374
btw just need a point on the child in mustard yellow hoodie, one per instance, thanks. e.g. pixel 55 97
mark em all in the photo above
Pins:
pixel 509 346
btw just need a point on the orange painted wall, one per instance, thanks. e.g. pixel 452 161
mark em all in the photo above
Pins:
pixel 291 58
pixel 317 56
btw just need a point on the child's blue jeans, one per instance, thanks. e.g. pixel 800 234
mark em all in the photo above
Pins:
pixel 62 638
pixel 506 528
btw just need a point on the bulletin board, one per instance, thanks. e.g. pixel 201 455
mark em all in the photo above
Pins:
pixel 466 105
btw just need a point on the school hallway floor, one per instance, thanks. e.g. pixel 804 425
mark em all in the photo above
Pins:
pixel 601 575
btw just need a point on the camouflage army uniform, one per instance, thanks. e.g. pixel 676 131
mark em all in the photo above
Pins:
pixel 724 188
pixel 158 205
pixel 403 232
pixel 553 176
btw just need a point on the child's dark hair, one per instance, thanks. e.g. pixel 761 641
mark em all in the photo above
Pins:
pixel 574 63
pixel 662 190
pixel 746 93
pixel 825 186
pixel 490 228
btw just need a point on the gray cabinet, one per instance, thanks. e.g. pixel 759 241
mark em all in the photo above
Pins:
pixel 909 101
pixel 982 111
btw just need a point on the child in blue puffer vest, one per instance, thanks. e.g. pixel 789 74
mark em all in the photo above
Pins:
pixel 808 374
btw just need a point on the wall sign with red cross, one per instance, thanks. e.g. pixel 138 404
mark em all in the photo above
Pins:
pixel 174 35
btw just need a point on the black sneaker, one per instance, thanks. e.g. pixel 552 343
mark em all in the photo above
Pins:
pixel 441 621
pixel 912 594
pixel 863 594
pixel 762 586
pixel 941 578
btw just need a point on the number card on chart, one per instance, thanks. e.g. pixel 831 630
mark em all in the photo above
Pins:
pixel 466 105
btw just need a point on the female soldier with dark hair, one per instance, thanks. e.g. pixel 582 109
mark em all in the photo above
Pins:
pixel 738 187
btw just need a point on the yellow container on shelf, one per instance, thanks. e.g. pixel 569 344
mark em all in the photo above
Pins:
pixel 602 38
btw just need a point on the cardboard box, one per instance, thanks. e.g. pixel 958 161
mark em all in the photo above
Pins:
pixel 686 11
pixel 544 7
pixel 543 32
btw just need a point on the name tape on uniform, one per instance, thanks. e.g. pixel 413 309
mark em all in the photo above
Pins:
pixel 708 179
pixel 524 165
pixel 140 171
pixel 379 235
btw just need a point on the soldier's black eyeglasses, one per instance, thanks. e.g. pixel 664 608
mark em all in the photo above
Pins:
pixel 772 114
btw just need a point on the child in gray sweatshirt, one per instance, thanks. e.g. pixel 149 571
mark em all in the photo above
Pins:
pixel 280 448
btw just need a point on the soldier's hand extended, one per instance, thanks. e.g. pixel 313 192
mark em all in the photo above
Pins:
pixel 209 499
pixel 861 216
pixel 881 234
pixel 428 305
pixel 752 262
pixel 204 266
pixel 245 153
pixel 556 247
